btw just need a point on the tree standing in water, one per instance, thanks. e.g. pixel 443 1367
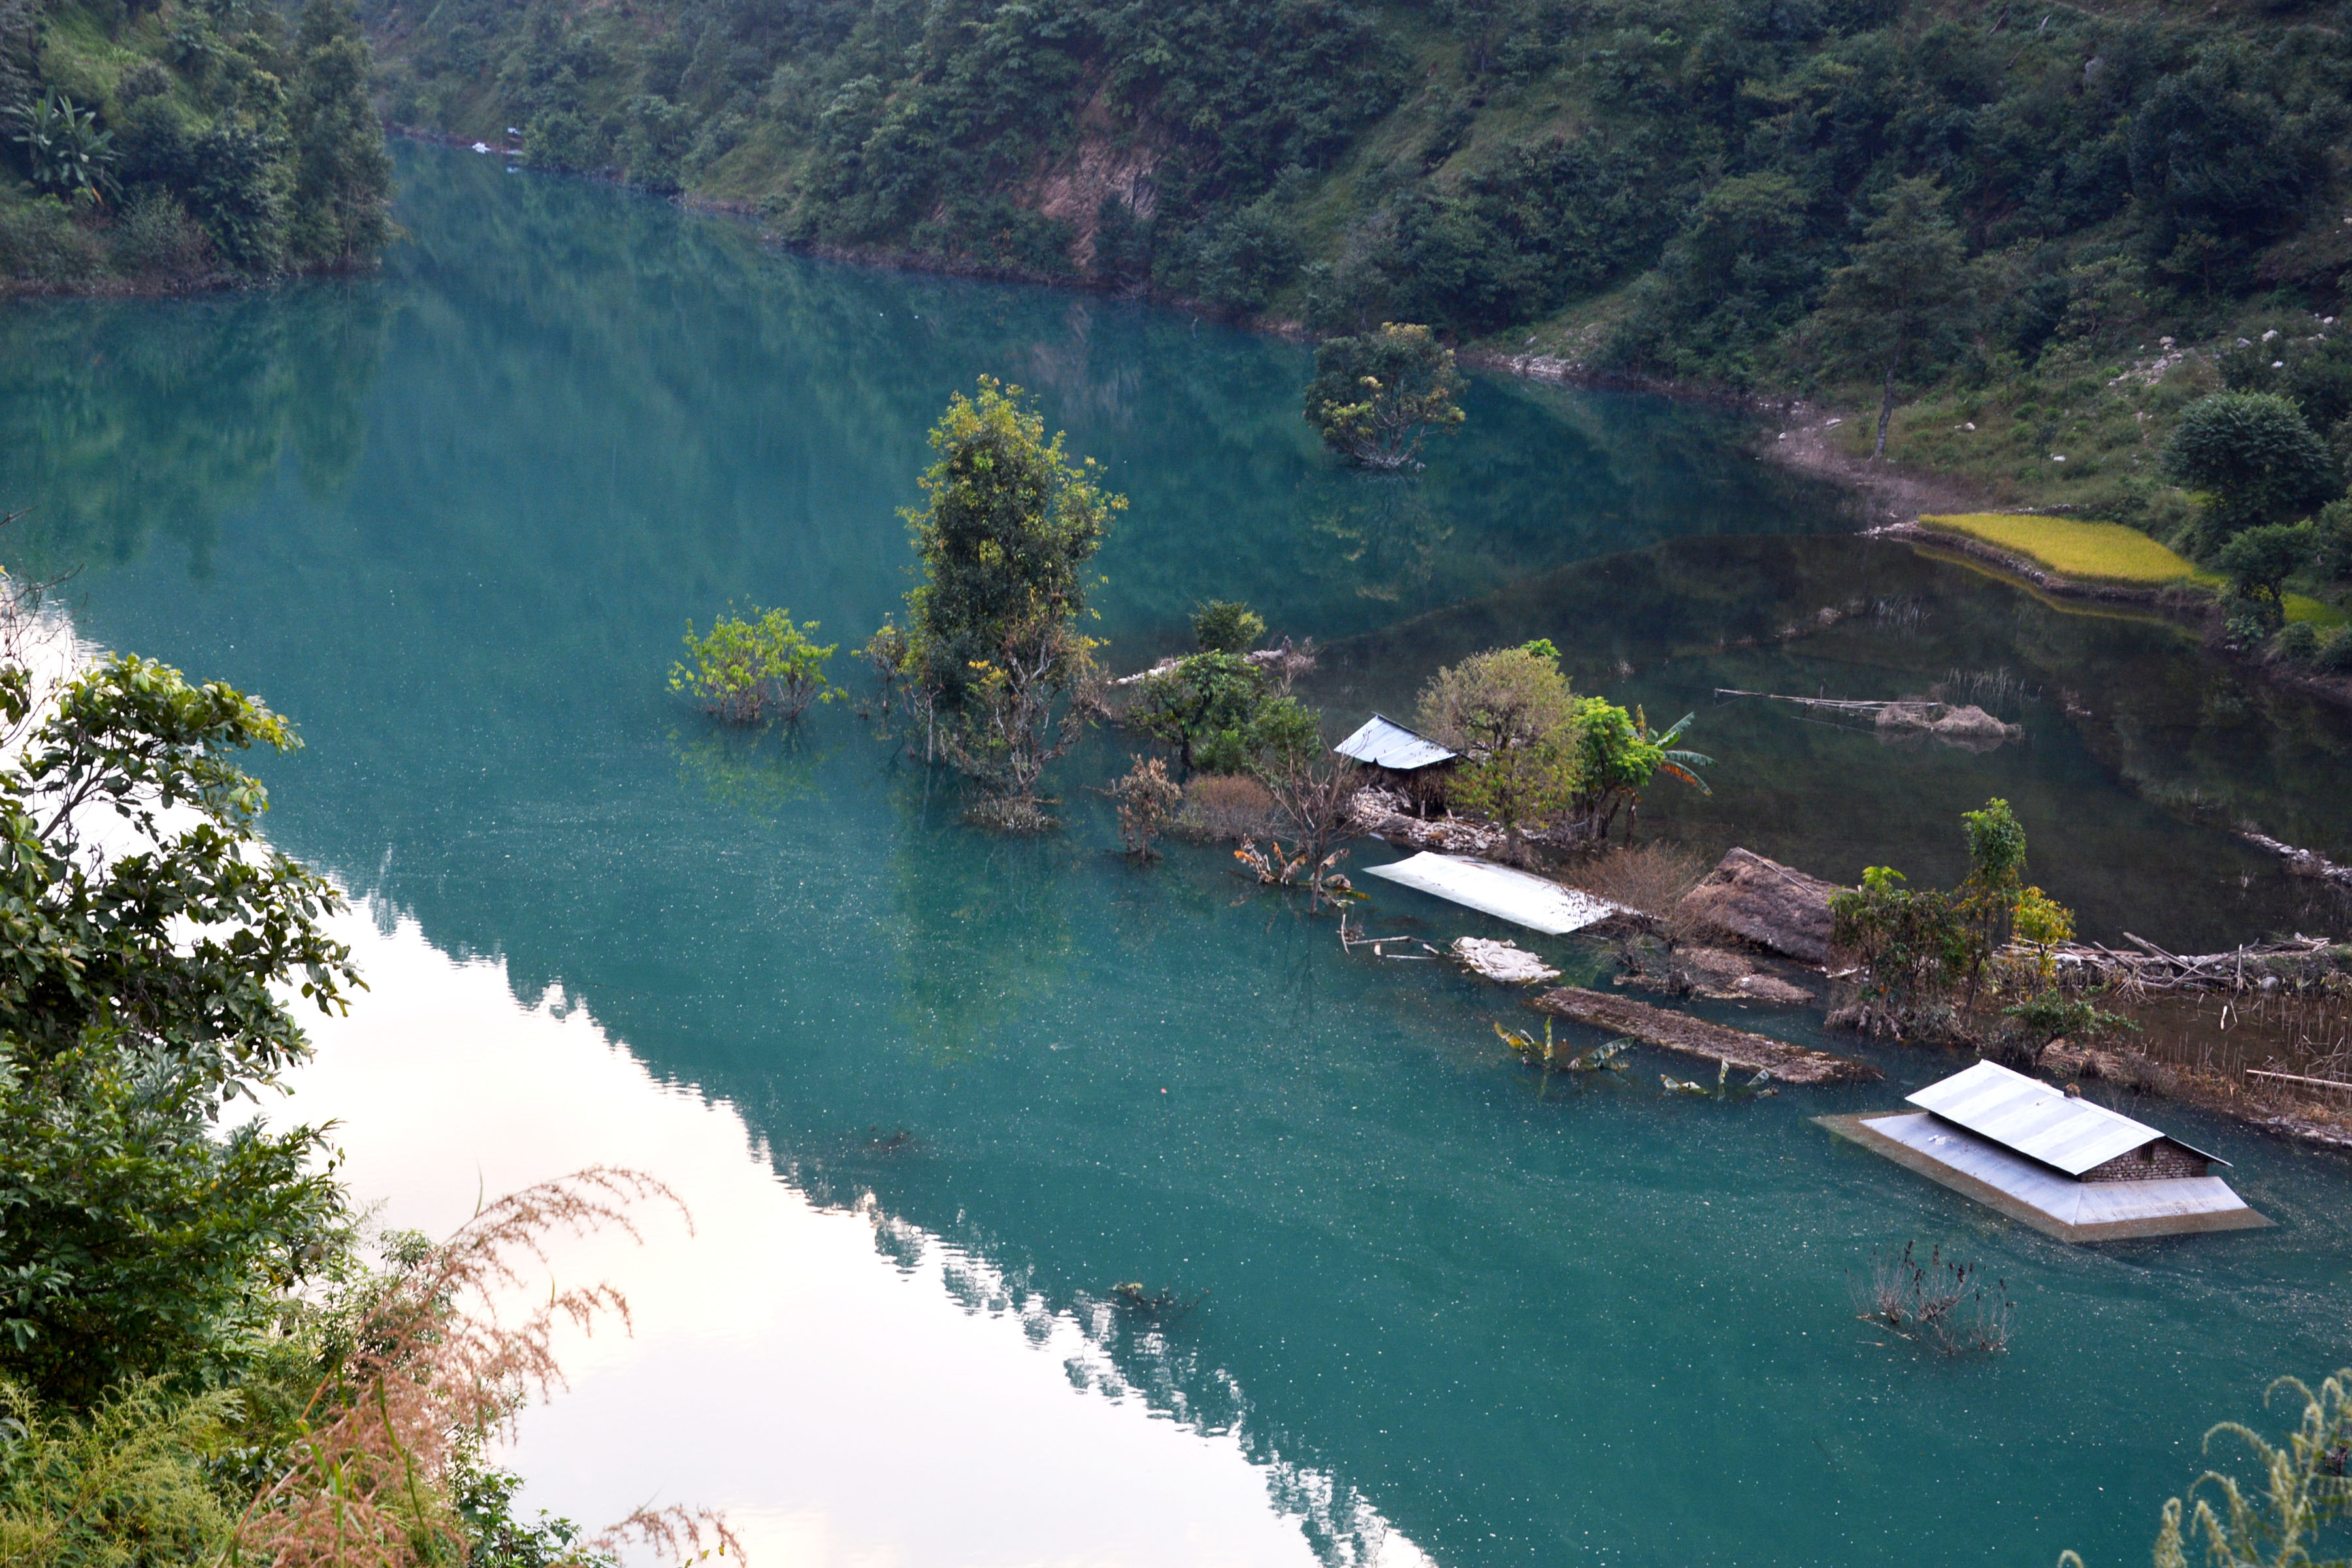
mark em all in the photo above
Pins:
pixel 1375 398
pixel 1007 527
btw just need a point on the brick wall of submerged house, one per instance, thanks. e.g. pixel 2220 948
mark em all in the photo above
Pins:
pixel 2162 1161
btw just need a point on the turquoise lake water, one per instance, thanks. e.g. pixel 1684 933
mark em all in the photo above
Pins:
pixel 453 518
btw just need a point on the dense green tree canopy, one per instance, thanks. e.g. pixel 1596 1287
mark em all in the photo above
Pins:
pixel 2253 456
pixel 202 140
pixel 1377 396
pixel 148 930
pixel 1010 522
pixel 1660 194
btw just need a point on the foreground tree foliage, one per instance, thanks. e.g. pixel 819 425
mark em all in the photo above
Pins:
pixel 147 925
pixel 2292 1514
pixel 198 1364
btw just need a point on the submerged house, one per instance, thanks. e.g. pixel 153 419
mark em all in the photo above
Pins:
pixel 1412 764
pixel 2046 1156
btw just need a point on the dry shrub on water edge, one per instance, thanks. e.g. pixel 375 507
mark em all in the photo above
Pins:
pixel 1650 878
pixel 433 1363
pixel 1227 807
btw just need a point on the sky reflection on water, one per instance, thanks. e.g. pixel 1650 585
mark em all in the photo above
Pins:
pixel 845 1387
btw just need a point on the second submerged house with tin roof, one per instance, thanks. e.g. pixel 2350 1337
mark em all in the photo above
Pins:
pixel 2063 1164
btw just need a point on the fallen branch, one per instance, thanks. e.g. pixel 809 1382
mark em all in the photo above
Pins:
pixel 1697 1037
pixel 2295 961
pixel 2302 862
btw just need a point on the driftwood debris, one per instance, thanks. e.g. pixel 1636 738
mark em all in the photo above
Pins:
pixel 2302 862
pixel 1957 725
pixel 2257 965
pixel 1504 961
pixel 1697 1037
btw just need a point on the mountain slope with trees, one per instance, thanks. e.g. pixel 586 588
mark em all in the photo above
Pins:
pixel 1689 191
pixel 167 143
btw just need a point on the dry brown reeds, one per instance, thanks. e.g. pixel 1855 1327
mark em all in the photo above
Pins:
pixel 1941 1302
pixel 435 1363
pixel 1649 878
pixel 1226 809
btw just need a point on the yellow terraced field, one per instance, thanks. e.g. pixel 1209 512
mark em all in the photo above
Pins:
pixel 2091 552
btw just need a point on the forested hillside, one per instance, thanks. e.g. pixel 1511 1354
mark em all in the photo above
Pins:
pixel 172 141
pixel 1475 164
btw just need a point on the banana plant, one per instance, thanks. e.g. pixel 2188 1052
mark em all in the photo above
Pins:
pixel 1675 764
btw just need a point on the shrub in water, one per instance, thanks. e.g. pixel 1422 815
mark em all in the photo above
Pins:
pixel 745 667
pixel 1227 626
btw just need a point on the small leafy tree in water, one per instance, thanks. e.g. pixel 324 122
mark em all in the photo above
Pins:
pixel 1227 626
pixel 1223 715
pixel 1008 731
pixel 1147 797
pixel 2042 923
pixel 1005 535
pixel 743 670
pixel 1917 947
pixel 891 657
pixel 1375 398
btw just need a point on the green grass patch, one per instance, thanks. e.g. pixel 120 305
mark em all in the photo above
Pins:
pixel 2301 607
pixel 2090 551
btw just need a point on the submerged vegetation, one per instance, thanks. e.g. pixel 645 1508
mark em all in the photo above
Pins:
pixel 745 668
pixel 996 661
pixel 1375 398
pixel 1939 1302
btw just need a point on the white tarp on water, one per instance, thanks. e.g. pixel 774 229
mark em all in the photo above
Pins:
pixel 1501 891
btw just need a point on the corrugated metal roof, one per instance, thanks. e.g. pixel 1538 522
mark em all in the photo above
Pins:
pixel 1385 743
pixel 2029 1116
pixel 2028 1190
